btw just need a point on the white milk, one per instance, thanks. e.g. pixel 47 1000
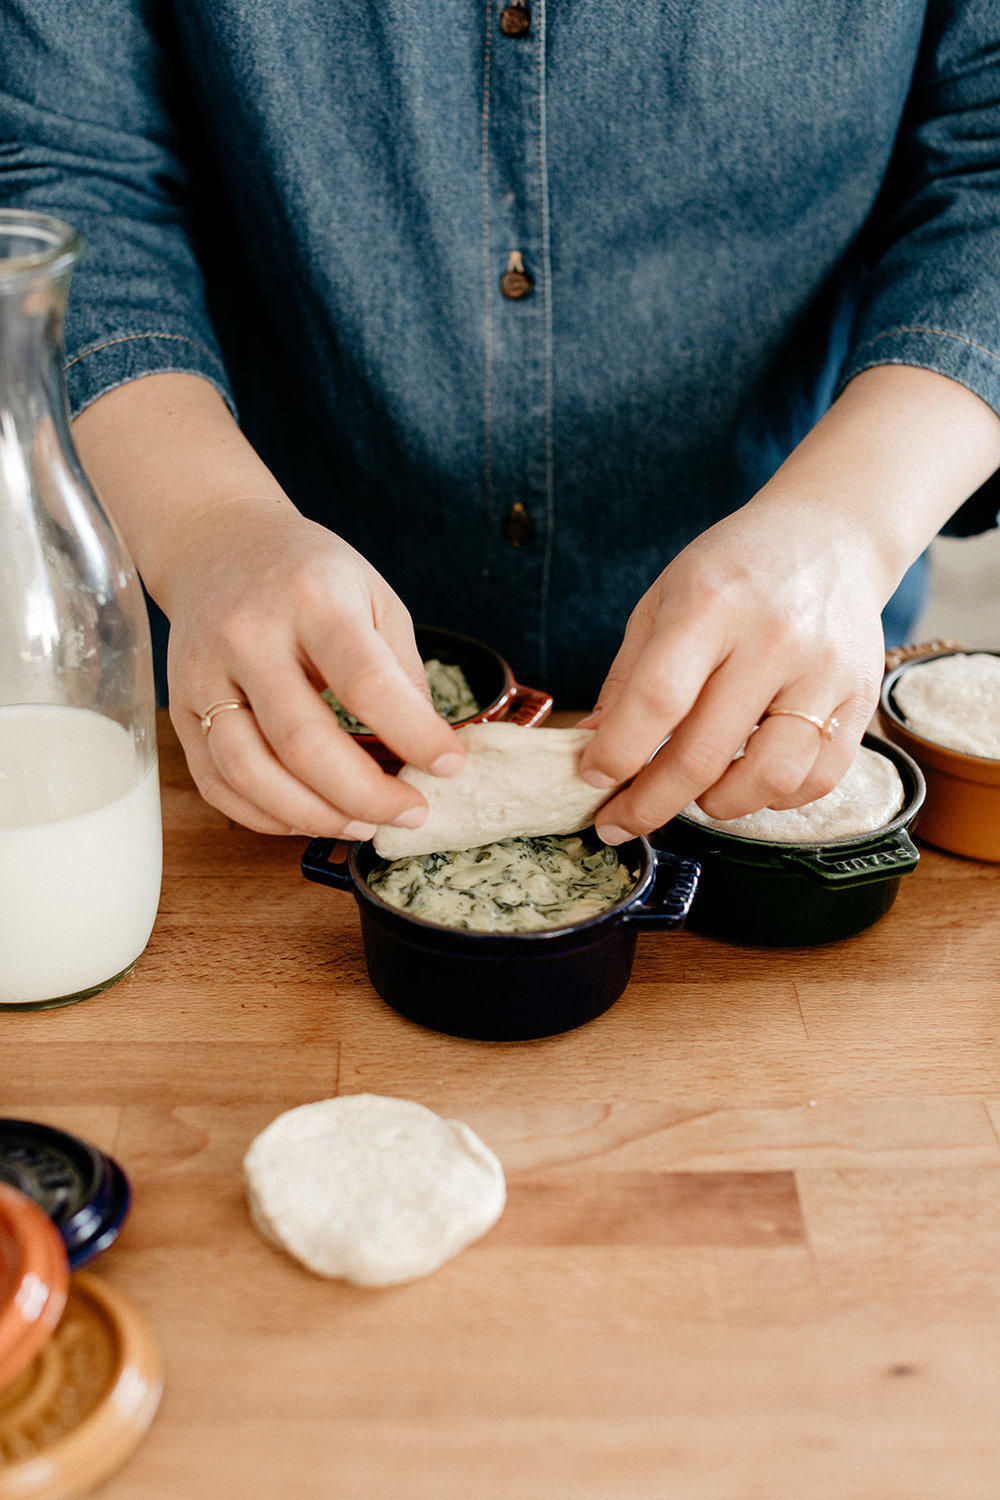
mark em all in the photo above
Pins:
pixel 80 852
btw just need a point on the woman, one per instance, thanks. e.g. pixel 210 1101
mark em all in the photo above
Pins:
pixel 651 348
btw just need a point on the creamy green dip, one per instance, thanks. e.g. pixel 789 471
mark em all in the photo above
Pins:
pixel 450 693
pixel 516 885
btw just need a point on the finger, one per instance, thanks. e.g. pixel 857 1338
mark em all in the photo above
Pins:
pixel 371 680
pixel 832 761
pixel 396 629
pixel 784 765
pixel 781 746
pixel 636 640
pixel 641 711
pixel 698 754
pixel 301 743
pixel 238 770
pixel 215 790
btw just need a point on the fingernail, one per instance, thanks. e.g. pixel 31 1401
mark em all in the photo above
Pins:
pixel 448 765
pixel 410 817
pixel 612 835
pixel 358 831
pixel 599 779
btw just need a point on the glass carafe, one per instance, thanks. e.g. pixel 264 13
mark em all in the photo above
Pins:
pixel 80 829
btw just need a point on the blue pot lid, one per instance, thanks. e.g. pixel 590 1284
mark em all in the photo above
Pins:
pixel 84 1191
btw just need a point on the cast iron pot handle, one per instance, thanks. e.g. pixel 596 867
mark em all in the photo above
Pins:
pixel 528 706
pixel 675 882
pixel 316 866
pixel 896 854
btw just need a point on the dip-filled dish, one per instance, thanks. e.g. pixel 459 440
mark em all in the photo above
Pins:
pixel 514 885
pixel 513 985
pixel 504 917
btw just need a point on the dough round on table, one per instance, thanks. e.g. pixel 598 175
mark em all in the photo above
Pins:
pixel 517 782
pixel 868 796
pixel 371 1189
pixel 953 701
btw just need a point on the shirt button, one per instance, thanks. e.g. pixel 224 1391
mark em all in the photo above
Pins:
pixel 515 282
pixel 518 527
pixel 515 20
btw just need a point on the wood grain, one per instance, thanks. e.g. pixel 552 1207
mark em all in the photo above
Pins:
pixel 752 1241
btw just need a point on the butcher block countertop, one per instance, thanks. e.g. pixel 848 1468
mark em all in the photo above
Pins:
pixel 751 1249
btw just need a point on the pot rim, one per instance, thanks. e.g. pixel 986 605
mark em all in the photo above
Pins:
pixel 58 246
pixel 965 759
pixel 642 885
pixel 848 842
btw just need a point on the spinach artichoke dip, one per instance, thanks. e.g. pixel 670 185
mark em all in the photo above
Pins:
pixel 450 693
pixel 515 885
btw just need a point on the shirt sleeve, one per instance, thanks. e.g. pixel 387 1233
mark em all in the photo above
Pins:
pixel 90 97
pixel 931 295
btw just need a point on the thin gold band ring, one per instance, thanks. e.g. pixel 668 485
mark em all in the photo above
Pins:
pixel 828 728
pixel 218 708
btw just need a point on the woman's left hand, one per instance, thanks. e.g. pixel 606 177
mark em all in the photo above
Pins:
pixel 776 607
pixel 779 607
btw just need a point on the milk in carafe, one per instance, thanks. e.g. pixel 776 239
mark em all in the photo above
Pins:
pixel 80 852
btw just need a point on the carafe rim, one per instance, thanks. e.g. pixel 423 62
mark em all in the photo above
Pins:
pixel 59 245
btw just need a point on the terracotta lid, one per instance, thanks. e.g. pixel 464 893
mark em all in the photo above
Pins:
pixel 75 1414
pixel 34 1275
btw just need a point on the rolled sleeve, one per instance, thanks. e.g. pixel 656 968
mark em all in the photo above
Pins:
pixel 94 371
pixel 87 133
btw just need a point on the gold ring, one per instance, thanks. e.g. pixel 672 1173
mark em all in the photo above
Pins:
pixel 218 708
pixel 828 728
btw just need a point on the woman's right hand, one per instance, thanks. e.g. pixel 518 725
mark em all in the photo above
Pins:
pixel 270 609
pixel 267 608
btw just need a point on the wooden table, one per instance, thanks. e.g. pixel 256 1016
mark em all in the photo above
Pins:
pixel 752 1244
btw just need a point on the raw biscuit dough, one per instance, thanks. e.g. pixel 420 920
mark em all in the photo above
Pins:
pixel 370 1189
pixel 516 782
pixel 868 796
pixel 953 701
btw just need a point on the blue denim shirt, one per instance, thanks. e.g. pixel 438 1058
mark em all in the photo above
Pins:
pixel 717 213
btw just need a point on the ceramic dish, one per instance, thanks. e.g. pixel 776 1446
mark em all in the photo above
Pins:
pixel 78 1410
pixel 508 986
pixel 488 675
pixel 962 810
pixel 84 1191
pixel 769 894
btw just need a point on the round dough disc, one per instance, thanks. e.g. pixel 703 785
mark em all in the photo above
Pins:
pixel 868 796
pixel 371 1189
pixel 954 701
pixel 516 782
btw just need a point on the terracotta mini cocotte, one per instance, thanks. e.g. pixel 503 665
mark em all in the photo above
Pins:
pixel 961 813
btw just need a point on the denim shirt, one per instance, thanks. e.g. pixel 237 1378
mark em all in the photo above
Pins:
pixel 518 299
